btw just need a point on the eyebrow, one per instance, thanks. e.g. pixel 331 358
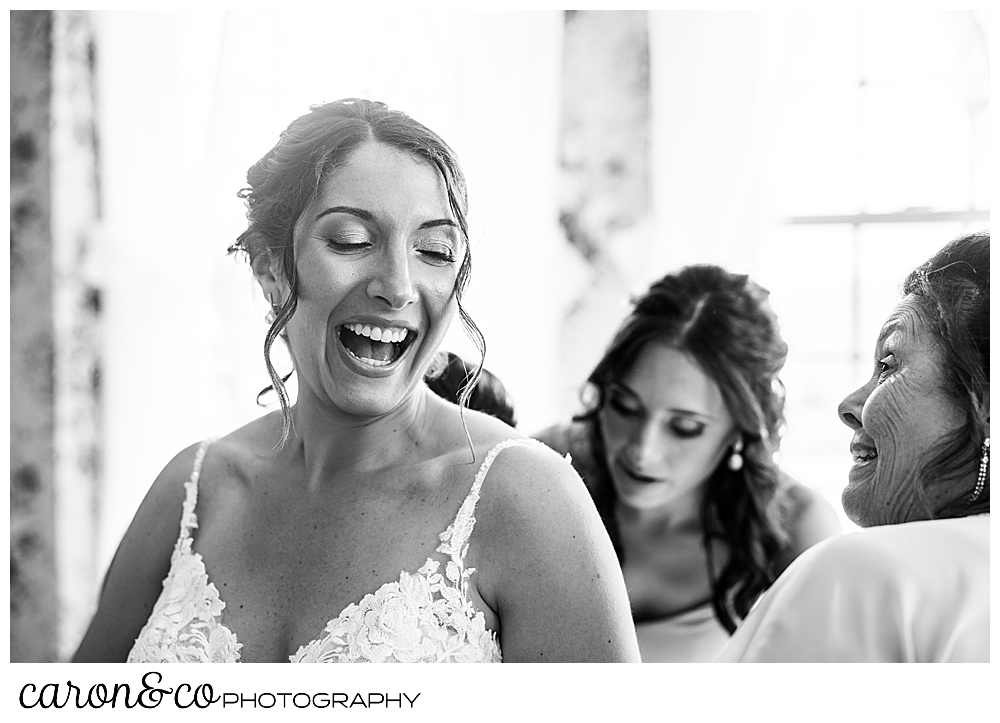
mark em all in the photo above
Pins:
pixel 367 216
pixel 891 325
pixel 359 212
pixel 439 222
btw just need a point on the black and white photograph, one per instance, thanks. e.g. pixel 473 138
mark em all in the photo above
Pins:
pixel 398 333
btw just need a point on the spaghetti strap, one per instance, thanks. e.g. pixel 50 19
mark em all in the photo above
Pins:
pixel 189 519
pixel 456 537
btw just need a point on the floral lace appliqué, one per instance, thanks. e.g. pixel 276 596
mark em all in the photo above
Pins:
pixel 185 626
pixel 426 616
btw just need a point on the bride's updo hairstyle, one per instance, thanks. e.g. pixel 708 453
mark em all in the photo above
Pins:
pixel 291 175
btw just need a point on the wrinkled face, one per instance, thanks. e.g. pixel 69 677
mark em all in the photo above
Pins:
pixel 899 417
pixel 665 428
pixel 377 255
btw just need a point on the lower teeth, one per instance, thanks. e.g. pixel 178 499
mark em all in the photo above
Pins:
pixel 369 362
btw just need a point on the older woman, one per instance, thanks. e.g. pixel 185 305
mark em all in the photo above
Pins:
pixel 678 451
pixel 343 528
pixel 915 586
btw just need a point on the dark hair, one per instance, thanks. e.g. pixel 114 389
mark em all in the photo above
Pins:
pixel 486 395
pixel 726 325
pixel 289 177
pixel 954 286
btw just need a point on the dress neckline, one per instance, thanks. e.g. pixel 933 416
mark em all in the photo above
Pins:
pixel 454 543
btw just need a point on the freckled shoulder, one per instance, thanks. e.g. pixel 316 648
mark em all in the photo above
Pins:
pixel 545 563
pixel 529 492
pixel 242 455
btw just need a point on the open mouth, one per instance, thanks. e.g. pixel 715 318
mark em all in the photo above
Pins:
pixel 375 346
pixel 862 455
pixel 863 448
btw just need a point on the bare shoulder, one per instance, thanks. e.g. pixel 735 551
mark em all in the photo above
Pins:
pixel 237 460
pixel 525 478
pixel 134 579
pixel 545 562
pixel 811 519
pixel 533 499
pixel 156 525
pixel 813 515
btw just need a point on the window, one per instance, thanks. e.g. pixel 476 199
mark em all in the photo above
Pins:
pixel 877 158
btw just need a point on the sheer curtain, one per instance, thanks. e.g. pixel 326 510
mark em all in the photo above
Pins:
pixel 758 119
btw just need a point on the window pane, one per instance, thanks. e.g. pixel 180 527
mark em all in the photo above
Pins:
pixel 916 148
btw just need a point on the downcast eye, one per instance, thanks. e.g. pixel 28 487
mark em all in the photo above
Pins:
pixel 885 366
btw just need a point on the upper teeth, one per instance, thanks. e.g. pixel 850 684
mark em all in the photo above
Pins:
pixel 865 454
pixel 377 333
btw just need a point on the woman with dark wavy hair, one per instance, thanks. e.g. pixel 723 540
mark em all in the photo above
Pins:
pixel 449 377
pixel 914 585
pixel 677 448
pixel 343 527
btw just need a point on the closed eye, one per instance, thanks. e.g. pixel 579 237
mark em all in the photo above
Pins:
pixel 623 405
pixel 438 254
pixel 348 241
pixel 687 428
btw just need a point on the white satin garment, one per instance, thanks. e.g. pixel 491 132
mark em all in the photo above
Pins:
pixel 915 592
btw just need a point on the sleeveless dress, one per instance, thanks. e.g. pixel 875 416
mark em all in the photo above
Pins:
pixel 694 636
pixel 425 616
pixel 691 636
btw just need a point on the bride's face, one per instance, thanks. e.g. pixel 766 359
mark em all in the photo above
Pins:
pixel 377 255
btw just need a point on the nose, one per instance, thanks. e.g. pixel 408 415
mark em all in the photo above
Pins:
pixel 646 448
pixel 850 407
pixel 391 279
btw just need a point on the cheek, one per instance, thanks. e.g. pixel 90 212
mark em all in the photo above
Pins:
pixel 325 279
pixel 704 457
pixel 908 417
pixel 437 290
pixel 614 431
pixel 441 291
pixel 446 307
pixel 885 414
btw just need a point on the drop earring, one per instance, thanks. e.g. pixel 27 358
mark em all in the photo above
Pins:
pixel 272 314
pixel 735 462
pixel 981 478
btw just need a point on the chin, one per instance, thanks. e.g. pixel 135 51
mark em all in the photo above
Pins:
pixel 372 403
pixel 854 501
pixel 646 502
pixel 853 514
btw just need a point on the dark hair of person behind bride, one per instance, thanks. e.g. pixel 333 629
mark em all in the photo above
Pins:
pixel 289 176
pixel 954 286
pixel 724 322
pixel 488 395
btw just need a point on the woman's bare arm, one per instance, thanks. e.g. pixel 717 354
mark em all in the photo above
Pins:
pixel 142 561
